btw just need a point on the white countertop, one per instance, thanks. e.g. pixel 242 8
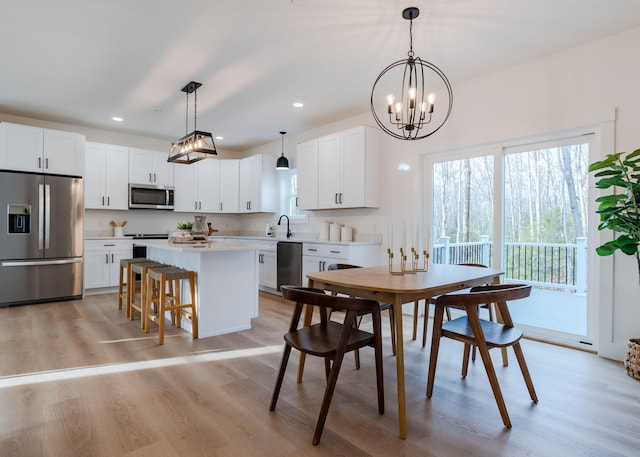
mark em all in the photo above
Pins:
pixel 295 239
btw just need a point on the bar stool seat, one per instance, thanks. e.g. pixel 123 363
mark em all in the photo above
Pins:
pixel 123 289
pixel 158 280
pixel 141 269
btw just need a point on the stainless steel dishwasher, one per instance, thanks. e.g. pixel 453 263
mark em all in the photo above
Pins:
pixel 289 261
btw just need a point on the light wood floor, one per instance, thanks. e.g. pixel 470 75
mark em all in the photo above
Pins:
pixel 78 379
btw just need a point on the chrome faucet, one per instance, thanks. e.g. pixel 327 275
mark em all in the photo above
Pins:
pixel 288 230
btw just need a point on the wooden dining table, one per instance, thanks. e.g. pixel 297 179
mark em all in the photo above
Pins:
pixel 376 283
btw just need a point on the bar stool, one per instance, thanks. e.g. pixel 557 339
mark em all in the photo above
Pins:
pixel 141 269
pixel 158 279
pixel 123 288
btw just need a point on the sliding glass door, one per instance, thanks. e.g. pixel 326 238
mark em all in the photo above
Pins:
pixel 524 210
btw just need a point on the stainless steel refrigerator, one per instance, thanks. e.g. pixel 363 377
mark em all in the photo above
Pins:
pixel 42 238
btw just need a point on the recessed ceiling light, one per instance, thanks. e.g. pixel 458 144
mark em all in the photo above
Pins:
pixel 298 105
pixel 219 138
pixel 117 119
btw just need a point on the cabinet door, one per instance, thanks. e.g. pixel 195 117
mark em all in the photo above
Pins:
pixel 63 152
pixel 251 184
pixel 116 180
pixel 140 166
pixel 185 196
pixel 162 170
pixel 21 147
pixel 329 171
pixel 353 169
pixel 229 185
pixel 208 171
pixel 307 166
pixel 114 266
pixel 96 269
pixel 94 176
pixel 267 269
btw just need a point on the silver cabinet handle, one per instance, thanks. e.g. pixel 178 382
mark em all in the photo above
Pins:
pixel 341 198
pixel 150 178
pixel 39 162
pixel 195 205
pixel 46 163
pixel 220 206
pixel 108 201
pixel 154 177
pixel 106 258
pixel 335 198
pixel 111 258
pixel 102 201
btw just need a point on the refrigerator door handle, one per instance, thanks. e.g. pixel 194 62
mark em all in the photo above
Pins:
pixel 40 216
pixel 32 263
pixel 47 215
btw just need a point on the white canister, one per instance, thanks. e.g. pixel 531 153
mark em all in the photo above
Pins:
pixel 324 231
pixel 346 233
pixel 118 232
pixel 334 232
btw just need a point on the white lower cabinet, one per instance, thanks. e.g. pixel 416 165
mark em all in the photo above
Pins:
pixel 267 268
pixel 317 256
pixel 102 261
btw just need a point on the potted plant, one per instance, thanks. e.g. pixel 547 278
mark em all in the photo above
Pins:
pixel 620 212
pixel 185 226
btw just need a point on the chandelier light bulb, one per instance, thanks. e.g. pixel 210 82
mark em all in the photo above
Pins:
pixel 390 101
pixel 398 111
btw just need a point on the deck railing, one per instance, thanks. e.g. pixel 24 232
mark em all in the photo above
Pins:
pixel 549 265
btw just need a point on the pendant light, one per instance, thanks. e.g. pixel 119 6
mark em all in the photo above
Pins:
pixel 196 145
pixel 283 162
pixel 410 114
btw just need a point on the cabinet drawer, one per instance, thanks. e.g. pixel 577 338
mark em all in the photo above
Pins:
pixel 109 245
pixel 326 250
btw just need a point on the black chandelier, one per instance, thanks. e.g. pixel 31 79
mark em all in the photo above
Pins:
pixel 411 116
pixel 196 145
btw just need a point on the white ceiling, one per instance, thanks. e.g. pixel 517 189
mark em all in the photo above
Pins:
pixel 84 61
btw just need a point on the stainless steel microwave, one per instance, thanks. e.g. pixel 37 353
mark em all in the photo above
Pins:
pixel 150 196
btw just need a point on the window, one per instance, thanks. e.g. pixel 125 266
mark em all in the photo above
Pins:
pixel 289 196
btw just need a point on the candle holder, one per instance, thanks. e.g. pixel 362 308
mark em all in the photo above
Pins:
pixel 391 271
pixel 416 264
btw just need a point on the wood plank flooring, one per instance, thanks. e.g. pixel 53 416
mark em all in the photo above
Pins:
pixel 79 379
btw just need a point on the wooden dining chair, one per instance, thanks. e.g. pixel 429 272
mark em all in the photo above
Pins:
pixel 330 340
pixel 484 334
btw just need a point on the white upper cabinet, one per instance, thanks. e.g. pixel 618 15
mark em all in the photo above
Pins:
pixel 307 166
pixel 229 185
pixel 63 152
pixel 150 167
pixel 106 177
pixel 347 170
pixel 257 184
pixel 26 148
pixel 197 187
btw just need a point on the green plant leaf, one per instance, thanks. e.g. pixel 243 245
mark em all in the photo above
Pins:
pixel 605 250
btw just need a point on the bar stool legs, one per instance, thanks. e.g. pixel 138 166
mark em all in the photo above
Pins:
pixel 123 286
pixel 158 280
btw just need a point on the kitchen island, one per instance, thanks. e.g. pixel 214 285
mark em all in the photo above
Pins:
pixel 226 281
